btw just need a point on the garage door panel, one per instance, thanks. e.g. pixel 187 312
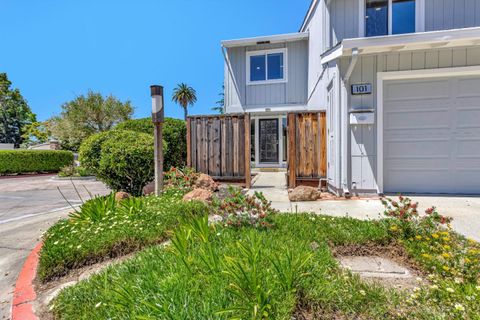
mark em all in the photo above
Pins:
pixel 420 89
pixel 432 145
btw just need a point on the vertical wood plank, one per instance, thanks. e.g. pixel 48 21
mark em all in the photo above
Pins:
pixel 223 149
pixel 248 175
pixel 241 146
pixel 323 144
pixel 229 149
pixel 189 143
pixel 235 145
pixel 291 150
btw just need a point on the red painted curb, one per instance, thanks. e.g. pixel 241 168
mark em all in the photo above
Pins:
pixel 24 294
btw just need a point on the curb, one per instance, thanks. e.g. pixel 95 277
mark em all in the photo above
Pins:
pixel 24 294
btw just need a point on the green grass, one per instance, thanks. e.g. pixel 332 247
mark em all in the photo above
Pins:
pixel 225 272
pixel 102 229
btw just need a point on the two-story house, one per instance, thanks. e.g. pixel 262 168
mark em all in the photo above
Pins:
pixel 398 79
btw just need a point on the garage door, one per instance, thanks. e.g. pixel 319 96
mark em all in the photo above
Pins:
pixel 432 135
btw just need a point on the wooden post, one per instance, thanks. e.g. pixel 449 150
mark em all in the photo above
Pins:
pixel 156 93
pixel 189 143
pixel 248 175
pixel 292 151
pixel 323 144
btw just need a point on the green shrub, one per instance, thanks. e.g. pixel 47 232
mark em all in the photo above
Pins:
pixel 23 161
pixel 174 135
pixel 74 171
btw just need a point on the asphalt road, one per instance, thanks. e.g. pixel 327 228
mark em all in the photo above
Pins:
pixel 28 207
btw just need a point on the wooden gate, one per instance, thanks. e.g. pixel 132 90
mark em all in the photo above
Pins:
pixel 219 146
pixel 307 148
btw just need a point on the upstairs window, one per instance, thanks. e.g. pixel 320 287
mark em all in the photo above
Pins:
pixel 266 66
pixel 384 17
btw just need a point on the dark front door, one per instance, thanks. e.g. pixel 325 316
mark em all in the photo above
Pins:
pixel 268 145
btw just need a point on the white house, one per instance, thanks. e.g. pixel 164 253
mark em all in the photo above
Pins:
pixel 398 79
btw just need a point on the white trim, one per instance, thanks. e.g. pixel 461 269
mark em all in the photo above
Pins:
pixel 279 38
pixel 401 75
pixel 249 54
pixel 280 163
pixel 361 18
pixel 407 42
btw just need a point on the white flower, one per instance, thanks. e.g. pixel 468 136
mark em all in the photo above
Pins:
pixel 459 307
pixel 79 246
pixel 56 242
pixel 362 292
pixel 98 304
pixel 434 287
pixel 478 288
pixel 419 279
pixel 450 290
pixel 458 280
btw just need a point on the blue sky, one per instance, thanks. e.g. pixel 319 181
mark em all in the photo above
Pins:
pixel 56 50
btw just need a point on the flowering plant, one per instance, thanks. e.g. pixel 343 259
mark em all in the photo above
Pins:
pixel 238 209
pixel 181 179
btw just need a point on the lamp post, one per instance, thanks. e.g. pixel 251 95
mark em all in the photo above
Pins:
pixel 157 118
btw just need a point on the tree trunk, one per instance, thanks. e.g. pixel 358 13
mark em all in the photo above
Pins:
pixel 185 112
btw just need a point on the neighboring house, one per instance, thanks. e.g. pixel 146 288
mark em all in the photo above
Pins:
pixel 51 145
pixel 398 79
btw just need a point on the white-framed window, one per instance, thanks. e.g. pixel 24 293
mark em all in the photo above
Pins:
pixel 389 17
pixel 266 66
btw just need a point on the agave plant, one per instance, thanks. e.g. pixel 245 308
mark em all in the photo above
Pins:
pixel 94 210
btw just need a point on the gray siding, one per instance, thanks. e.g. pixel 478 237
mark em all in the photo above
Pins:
pixel 451 14
pixel 293 92
pixel 344 22
pixel 363 142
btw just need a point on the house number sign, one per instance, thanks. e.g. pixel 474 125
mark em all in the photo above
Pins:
pixel 365 88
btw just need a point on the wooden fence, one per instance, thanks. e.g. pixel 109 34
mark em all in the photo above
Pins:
pixel 307 148
pixel 220 146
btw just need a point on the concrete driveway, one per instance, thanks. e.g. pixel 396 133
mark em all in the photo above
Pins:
pixel 28 207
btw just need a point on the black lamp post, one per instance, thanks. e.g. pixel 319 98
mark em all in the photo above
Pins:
pixel 157 118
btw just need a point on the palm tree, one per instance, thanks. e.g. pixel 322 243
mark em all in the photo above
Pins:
pixel 184 96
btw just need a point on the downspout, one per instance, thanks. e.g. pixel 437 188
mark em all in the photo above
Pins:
pixel 230 71
pixel 346 81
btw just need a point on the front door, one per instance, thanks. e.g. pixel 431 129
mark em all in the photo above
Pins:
pixel 268 140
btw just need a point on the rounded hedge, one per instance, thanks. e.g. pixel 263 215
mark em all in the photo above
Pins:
pixel 174 135
pixel 30 161
pixel 122 159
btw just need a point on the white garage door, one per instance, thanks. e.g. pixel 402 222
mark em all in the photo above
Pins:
pixel 432 135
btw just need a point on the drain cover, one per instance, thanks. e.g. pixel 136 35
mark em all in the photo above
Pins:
pixel 374 267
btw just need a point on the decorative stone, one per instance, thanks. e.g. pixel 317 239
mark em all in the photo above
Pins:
pixel 149 189
pixel 119 196
pixel 199 195
pixel 375 267
pixel 204 181
pixel 304 193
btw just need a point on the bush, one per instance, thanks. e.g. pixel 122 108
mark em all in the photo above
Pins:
pixel 174 135
pixel 23 161
pixel 125 161
pixel 74 171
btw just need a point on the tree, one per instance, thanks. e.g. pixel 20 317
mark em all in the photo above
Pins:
pixel 86 115
pixel 220 104
pixel 184 96
pixel 15 113
pixel 36 132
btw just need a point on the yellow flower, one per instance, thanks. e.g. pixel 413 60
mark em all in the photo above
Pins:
pixel 427 238
pixel 446 255
pixel 444 233
pixel 446 247
pixel 467 260
pixel 435 236
pixel 446 239
pixel 418 237
pixel 426 255
pixel 394 228
pixel 445 268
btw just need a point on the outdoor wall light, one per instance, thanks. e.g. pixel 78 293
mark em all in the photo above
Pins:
pixel 157 117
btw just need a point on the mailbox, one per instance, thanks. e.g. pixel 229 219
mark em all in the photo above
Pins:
pixel 362 116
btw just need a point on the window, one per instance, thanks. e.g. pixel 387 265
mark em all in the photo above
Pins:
pixel 266 66
pixel 384 17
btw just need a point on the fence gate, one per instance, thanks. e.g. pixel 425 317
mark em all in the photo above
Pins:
pixel 219 146
pixel 307 148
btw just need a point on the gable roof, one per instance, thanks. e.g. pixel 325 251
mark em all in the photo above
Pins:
pixel 308 15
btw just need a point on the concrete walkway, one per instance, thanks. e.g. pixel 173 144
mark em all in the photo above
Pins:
pixel 464 210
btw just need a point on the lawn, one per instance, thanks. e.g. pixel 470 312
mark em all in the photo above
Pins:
pixel 278 272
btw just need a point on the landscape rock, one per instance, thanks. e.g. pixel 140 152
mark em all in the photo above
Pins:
pixel 304 193
pixel 121 195
pixel 199 195
pixel 204 181
pixel 149 188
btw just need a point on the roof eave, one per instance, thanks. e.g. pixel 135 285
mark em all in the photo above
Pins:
pixel 280 38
